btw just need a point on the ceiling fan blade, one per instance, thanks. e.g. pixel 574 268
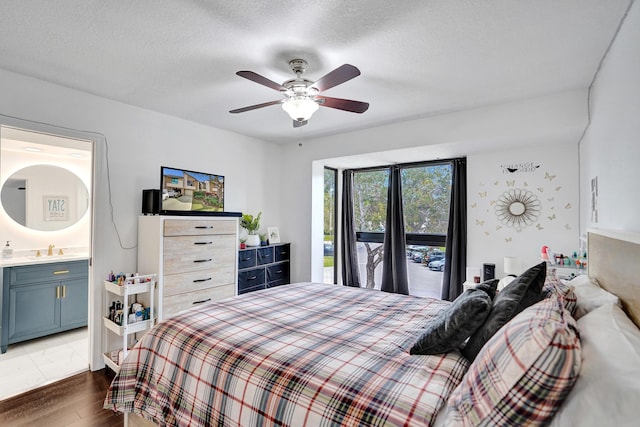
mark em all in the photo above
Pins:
pixel 297 123
pixel 254 107
pixel 338 76
pixel 255 77
pixel 343 104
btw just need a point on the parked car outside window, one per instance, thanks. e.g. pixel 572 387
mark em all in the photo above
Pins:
pixel 328 249
pixel 433 257
pixel 437 265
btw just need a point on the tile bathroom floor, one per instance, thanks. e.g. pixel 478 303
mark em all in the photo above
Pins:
pixel 31 364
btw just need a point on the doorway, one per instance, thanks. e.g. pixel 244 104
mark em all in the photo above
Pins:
pixel 40 166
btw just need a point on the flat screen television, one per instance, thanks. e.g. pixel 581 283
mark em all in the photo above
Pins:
pixel 185 192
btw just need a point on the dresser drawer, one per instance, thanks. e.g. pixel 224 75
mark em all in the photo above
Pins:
pixel 264 255
pixel 281 252
pixel 192 253
pixel 198 227
pixel 278 272
pixel 176 303
pixel 246 258
pixel 250 278
pixel 179 283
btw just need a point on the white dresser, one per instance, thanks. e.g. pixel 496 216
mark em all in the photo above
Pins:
pixel 195 259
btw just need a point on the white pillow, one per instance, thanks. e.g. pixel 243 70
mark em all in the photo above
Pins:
pixel 607 391
pixel 589 295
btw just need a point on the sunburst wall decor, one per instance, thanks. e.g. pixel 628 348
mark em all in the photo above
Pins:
pixel 517 208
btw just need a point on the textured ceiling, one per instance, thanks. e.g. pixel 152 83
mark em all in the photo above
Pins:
pixel 417 58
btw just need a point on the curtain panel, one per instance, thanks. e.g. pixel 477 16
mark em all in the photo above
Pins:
pixel 456 255
pixel 350 275
pixel 394 259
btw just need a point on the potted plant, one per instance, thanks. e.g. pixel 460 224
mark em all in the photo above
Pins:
pixel 243 242
pixel 252 225
pixel 263 239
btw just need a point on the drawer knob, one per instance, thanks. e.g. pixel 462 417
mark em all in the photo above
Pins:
pixel 61 272
pixel 204 227
pixel 203 260
pixel 201 301
pixel 252 278
pixel 203 243
pixel 202 280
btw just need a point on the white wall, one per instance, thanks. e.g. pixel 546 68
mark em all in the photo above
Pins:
pixel 137 142
pixel 610 149
pixel 549 121
pixel 547 177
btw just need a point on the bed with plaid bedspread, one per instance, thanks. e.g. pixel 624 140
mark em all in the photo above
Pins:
pixel 296 355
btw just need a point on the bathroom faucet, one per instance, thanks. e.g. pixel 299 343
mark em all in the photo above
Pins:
pixel 50 251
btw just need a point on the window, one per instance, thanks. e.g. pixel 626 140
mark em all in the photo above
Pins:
pixel 426 193
pixel 330 221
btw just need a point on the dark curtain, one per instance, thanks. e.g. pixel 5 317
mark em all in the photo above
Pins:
pixel 350 276
pixel 394 258
pixel 456 255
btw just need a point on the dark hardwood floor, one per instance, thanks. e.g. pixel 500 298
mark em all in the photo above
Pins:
pixel 75 401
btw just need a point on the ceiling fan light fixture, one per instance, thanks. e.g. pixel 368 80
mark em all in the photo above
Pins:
pixel 300 109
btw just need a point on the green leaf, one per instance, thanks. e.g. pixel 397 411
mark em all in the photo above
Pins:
pixel 249 223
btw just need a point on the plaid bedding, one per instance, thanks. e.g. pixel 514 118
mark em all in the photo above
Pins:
pixel 300 354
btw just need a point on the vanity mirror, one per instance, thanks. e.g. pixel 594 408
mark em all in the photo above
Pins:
pixel 45 197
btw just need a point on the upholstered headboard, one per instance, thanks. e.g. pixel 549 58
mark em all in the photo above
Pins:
pixel 614 260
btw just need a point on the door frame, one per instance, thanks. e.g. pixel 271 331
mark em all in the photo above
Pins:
pixel 97 142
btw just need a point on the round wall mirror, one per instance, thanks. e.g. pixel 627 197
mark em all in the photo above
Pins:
pixel 517 208
pixel 45 197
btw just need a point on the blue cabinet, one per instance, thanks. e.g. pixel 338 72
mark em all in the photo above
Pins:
pixel 263 267
pixel 32 311
pixel 43 299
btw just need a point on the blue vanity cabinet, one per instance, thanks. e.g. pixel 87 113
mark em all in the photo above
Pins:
pixel 43 299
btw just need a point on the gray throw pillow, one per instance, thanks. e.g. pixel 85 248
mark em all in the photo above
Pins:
pixel 523 291
pixel 454 324
pixel 489 286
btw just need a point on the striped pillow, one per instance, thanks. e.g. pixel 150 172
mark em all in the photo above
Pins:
pixel 523 373
pixel 553 286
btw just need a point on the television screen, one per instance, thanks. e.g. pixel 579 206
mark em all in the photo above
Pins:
pixel 188 191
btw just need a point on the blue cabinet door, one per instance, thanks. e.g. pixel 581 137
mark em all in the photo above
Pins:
pixel 34 311
pixel 74 303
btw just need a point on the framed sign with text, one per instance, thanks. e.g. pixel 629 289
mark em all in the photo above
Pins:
pixel 56 208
